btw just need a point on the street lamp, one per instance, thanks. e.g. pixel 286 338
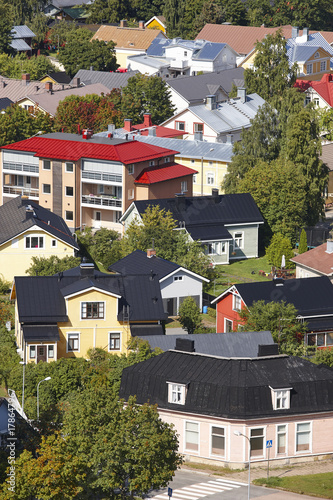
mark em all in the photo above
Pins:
pixel 23 383
pixel 237 433
pixel 44 380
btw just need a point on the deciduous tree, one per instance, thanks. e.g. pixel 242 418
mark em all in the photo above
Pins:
pixel 47 266
pixel 18 124
pixel 189 315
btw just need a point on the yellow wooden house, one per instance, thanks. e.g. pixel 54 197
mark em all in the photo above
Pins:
pixel 157 23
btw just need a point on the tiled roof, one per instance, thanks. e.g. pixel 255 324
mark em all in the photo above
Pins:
pixel 151 175
pixel 14 221
pixel 73 149
pixel 17 89
pixel 129 38
pixel 317 259
pixel 324 87
pixel 110 80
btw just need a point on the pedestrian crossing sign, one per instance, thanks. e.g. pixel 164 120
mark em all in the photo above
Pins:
pixel 269 443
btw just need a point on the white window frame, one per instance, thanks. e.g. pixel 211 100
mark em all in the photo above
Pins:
pixel 69 195
pixel 48 351
pixel 54 243
pixel 183 186
pixel 115 349
pixel 46 192
pixel 225 324
pixel 152 163
pixel 69 168
pixel 83 305
pixel 238 238
pixel 131 169
pixel 32 347
pixel 263 440
pixel 213 248
pixel 316 101
pixel 277 440
pixel 178 277
pixel 167 159
pixel 235 300
pixel 198 433
pixel 71 334
pixel 210 178
pixel 30 236
pixel 309 69
pixel 66 215
pixel 211 440
pixel 180 125
pixel 195 178
pixel 307 100
pixel 310 437
pixel 131 194
pixel 175 389
pixel 323 66
pixel 46 161
pixel 281 396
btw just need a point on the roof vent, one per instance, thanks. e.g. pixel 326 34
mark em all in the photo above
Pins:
pixel 268 350
pixel 87 133
pixel 185 345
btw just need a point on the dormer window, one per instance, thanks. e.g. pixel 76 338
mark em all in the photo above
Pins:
pixel 317 55
pixel 281 398
pixel 176 393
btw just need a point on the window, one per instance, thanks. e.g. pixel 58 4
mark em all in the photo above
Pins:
pixel 178 278
pixel 316 55
pixel 73 343
pixel 92 310
pixel 32 352
pixel 316 101
pixel 223 247
pixel 176 393
pixel 114 344
pixel 309 69
pixel 69 191
pixel 257 442
pixel 281 398
pixel 69 168
pixel 152 163
pixel 46 165
pixel 47 188
pixel 183 186
pixel 98 216
pixel 69 215
pixel 180 126
pixel 237 303
pixel 218 441
pixel 166 159
pixel 185 53
pixel 238 239
pixel 212 248
pixel 281 435
pixel 54 243
pixel 34 242
pixel 323 66
pixel 307 100
pixel 194 178
pixel 198 127
pixel 227 325
pixel 192 436
pixel 131 169
pixel 210 179
pixel 192 162
pixel 50 352
pixel 130 194
pixel 303 436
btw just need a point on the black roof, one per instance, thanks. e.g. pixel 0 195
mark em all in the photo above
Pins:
pixel 41 299
pixel 137 262
pixel 20 214
pixel 41 333
pixel 205 212
pixel 310 296
pixel 5 102
pixel 230 388
pixel 60 77
pixel 229 345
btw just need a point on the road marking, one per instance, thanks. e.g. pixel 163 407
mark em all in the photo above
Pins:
pixel 193 490
pixel 225 483
pixel 200 490
pixel 231 482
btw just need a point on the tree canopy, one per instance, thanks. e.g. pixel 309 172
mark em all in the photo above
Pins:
pixel 18 124
pixel 15 66
pixel 280 245
pixel 189 315
pixel 47 266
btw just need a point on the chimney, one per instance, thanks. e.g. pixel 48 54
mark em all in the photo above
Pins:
pixel 147 120
pixel 123 23
pixel 198 136
pixel 128 125
pixel 152 132
pixel 241 93
pixel 76 82
pixel 91 68
pixel 215 193
pixel 141 25
pixel 111 128
pixel 230 138
pixel 151 252
pixel 29 211
pixel 87 133
pixel 87 269
pixel 26 78
pixel 48 87
pixel 306 33
pixel 268 350
pixel 294 31
pixel 211 102
pixel 185 345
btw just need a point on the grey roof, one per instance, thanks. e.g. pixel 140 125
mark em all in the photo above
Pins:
pixel 195 88
pixel 14 220
pixel 20 45
pixel 301 51
pixel 60 77
pixel 228 345
pixel 22 32
pixel 68 3
pixel 153 62
pixel 202 49
pixel 109 80
pixel 5 102
pixel 16 89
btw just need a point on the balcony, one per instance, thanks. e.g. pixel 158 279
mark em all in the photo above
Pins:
pixel 101 201
pixel 179 64
pixel 20 167
pixel 101 176
pixel 22 191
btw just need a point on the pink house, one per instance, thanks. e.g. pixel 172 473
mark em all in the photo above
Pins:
pixel 210 400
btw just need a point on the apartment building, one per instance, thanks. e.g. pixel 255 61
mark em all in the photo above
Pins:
pixel 87 180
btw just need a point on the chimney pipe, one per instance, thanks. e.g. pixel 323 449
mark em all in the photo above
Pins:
pixel 147 120
pixel 151 252
pixel 128 125
pixel 123 23
pixel 241 94
pixel 141 25
pixel 49 87
pixel 26 78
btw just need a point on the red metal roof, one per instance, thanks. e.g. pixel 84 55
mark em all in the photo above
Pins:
pixel 163 173
pixel 323 87
pixel 126 152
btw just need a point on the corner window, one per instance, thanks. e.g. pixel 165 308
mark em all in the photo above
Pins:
pixel 34 242
pixel 69 168
pixel 192 436
pixel 257 442
pixel 47 188
pixel 218 441
pixel 131 169
pixel 32 352
pixel 303 436
pixel 69 191
pixel 281 439
pixel 180 126
pixel 237 303
pixel 176 393
pixel 46 165
pixel 178 278
pixel 92 310
pixel 73 342
pixel 239 240
pixel 281 398
pixel 69 215
pixel 114 342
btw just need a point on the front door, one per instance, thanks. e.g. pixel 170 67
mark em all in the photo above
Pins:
pixel 41 353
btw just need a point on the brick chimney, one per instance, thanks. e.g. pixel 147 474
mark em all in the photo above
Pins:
pixel 48 87
pixel 26 78
pixel 147 120
pixel 151 252
pixel 128 125
pixel 123 23
pixel 76 82
pixel 141 25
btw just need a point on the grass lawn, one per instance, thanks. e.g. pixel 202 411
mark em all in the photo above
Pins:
pixel 319 485
pixel 208 320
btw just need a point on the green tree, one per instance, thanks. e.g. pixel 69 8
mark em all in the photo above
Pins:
pixel 259 12
pixel 99 427
pixel 146 10
pixel 25 10
pixel 279 246
pixel 39 26
pixel 6 25
pixel 189 315
pixel 47 266
pixel 8 355
pixel 76 111
pixel 18 124
pixel 278 317
pixel 316 15
pixel 303 243
pixel 61 31
pixel 326 122
pixel 271 74
pixel 109 11
pixel 323 356
pixel 80 52
pixel 13 67
pixel 153 94
pixel 173 13
pixel 210 12
pixel 101 247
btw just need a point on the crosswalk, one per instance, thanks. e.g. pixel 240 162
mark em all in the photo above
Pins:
pixel 201 490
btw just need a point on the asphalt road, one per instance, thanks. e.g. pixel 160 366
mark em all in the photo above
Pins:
pixel 188 485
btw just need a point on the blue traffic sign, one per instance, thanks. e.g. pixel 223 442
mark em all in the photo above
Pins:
pixel 170 492
pixel 269 443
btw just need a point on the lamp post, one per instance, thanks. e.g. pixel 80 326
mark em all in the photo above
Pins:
pixel 23 383
pixel 237 433
pixel 44 380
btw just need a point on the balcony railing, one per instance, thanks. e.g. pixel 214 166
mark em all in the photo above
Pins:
pixel 20 167
pixel 102 201
pixel 23 191
pixel 100 176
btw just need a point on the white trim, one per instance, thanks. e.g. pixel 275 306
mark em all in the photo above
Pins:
pixel 234 296
pixel 181 389
pixel 109 339
pixel 90 289
pixel 93 302
pixel 241 238
pixel 68 171
pixel 274 394
pixel 185 271
pixel 216 455
pixel 310 440
pixel 32 235
pixel 244 224
pixel 264 427
pixel 232 289
pixel 225 324
pixel 73 333
pixel 56 243
pixel 285 454
pixel 196 452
